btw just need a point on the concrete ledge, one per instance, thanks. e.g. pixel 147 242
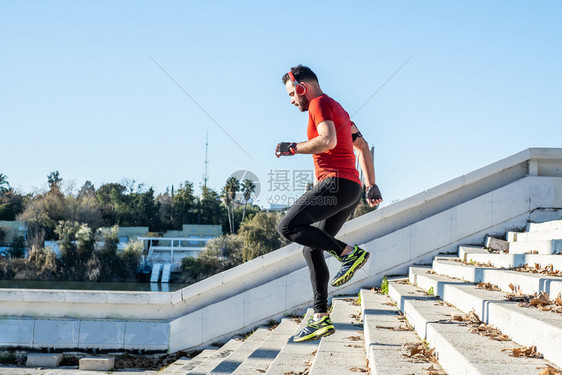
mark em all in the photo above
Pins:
pixel 43 360
pixel 97 363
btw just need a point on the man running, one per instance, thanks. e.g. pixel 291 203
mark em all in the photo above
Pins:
pixel 318 215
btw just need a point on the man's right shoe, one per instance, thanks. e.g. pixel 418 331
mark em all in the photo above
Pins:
pixel 315 329
pixel 351 263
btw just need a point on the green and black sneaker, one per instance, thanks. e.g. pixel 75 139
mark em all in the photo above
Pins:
pixel 351 263
pixel 335 255
pixel 315 330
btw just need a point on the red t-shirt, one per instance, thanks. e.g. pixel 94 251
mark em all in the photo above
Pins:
pixel 339 161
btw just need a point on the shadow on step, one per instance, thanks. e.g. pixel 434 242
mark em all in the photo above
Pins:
pixel 265 354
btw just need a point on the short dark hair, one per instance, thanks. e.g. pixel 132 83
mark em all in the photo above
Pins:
pixel 301 73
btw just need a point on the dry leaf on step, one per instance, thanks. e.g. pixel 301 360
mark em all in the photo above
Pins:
pixel 549 371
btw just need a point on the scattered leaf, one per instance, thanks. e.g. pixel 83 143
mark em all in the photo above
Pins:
pixel 550 371
pixel 358 369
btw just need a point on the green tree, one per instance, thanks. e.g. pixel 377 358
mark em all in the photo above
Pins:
pixel 113 204
pixel 165 219
pixel 210 209
pixel 130 259
pixel 228 195
pixel 4 184
pixel 184 205
pixel 70 262
pixel 220 254
pixel 248 187
pixel 17 248
pixel 54 180
pixel 12 204
pixel 87 190
pixel 260 235
pixel 105 265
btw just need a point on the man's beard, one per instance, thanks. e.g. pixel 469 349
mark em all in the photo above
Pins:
pixel 303 105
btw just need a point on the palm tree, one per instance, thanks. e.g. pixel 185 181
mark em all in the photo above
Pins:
pixel 3 183
pixel 248 187
pixel 228 195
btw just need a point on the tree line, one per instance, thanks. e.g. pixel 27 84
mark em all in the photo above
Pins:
pixel 76 219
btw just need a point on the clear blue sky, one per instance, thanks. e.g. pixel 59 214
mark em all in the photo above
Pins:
pixel 80 94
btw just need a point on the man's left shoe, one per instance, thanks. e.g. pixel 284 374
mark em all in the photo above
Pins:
pixel 351 263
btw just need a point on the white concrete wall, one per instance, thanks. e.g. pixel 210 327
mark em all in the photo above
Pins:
pixel 491 200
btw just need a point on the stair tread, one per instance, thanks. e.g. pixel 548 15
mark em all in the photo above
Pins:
pixel 215 358
pixel 344 350
pixel 459 350
pixel 195 361
pixel 388 343
pixel 235 359
pixel 295 356
pixel 176 366
pixel 261 358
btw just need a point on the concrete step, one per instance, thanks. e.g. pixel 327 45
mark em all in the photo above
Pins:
pixel 295 357
pixel 546 226
pixel 535 247
pixel 229 364
pixel 190 364
pixel 479 255
pixel 388 340
pixel 209 363
pixel 526 282
pixel 260 360
pixel 459 351
pixel 534 236
pixel 526 326
pixel 344 351
pixel 176 367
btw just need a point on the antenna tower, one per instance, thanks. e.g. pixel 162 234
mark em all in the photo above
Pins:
pixel 206 176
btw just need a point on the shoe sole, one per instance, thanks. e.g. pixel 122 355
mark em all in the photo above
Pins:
pixel 345 278
pixel 326 331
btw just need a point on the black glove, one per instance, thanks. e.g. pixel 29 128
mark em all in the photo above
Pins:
pixel 285 149
pixel 373 192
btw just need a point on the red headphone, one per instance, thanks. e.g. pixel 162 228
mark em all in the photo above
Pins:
pixel 299 87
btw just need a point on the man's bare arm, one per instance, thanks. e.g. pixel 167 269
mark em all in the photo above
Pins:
pixel 325 141
pixel 365 162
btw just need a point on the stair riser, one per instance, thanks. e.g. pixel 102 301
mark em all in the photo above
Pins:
pixel 516 260
pixel 541 227
pixel 527 283
pixel 521 329
pixel 542 247
pixel 534 236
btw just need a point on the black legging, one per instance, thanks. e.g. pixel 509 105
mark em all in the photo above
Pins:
pixel 313 221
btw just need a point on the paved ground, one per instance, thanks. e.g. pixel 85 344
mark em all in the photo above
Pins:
pixel 13 370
